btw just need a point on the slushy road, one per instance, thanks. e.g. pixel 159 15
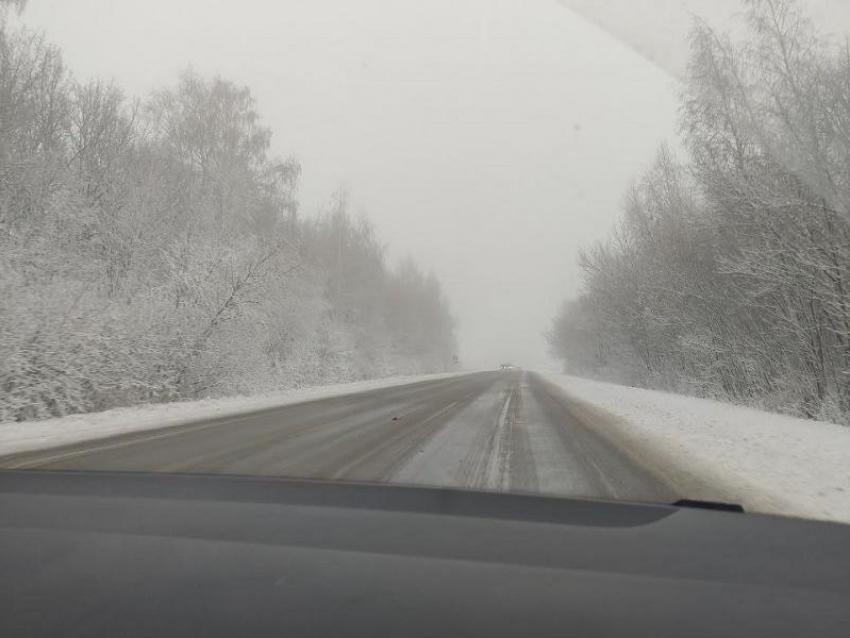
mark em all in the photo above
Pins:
pixel 507 431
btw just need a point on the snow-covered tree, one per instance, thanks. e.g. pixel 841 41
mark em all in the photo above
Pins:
pixel 728 275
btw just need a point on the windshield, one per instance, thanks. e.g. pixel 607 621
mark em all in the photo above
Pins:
pixel 582 248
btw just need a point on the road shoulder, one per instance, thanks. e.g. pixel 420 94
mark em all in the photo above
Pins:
pixel 706 449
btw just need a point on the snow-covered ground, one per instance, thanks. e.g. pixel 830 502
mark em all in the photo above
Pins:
pixel 768 462
pixel 36 435
pixel 703 449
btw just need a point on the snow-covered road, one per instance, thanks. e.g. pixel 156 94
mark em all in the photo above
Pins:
pixel 490 430
pixel 508 431
pixel 518 435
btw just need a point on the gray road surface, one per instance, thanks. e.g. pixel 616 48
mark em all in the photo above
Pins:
pixel 504 431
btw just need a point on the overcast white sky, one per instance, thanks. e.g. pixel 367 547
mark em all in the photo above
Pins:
pixel 489 139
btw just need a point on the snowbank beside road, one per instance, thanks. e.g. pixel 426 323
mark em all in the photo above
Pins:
pixel 37 435
pixel 768 462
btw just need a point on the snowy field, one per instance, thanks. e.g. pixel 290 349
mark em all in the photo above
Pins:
pixel 767 462
pixel 36 435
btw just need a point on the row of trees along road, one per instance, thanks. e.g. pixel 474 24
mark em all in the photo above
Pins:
pixel 729 274
pixel 152 250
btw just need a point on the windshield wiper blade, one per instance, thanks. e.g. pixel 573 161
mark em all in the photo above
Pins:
pixel 709 505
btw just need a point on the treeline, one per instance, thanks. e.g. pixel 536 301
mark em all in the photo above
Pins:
pixel 152 250
pixel 729 274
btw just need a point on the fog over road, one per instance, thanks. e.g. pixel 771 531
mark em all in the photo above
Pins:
pixel 505 431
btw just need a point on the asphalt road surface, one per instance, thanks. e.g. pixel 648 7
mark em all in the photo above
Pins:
pixel 505 431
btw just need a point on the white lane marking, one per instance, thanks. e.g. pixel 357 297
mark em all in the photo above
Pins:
pixel 499 462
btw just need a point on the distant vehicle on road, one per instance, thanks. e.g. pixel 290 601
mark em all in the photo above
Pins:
pixel 507 366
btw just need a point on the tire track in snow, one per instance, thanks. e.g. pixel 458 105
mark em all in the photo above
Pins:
pixel 500 458
pixel 497 466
